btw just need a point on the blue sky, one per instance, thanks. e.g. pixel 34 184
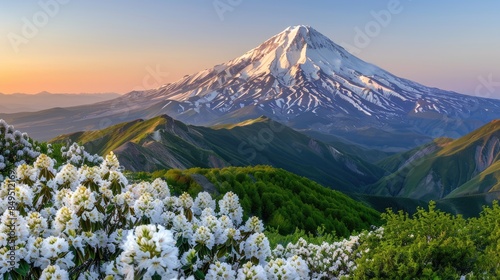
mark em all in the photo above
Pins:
pixel 111 46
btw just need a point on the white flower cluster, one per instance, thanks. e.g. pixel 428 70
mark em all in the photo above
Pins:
pixel 76 155
pixel 326 261
pixel 150 248
pixel 89 221
pixel 16 148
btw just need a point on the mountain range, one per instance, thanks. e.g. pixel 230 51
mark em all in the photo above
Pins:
pixel 460 174
pixel 164 143
pixel 298 77
pixel 302 103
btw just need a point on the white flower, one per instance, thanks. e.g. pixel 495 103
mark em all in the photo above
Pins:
pixel 56 249
pixel 160 189
pixel 149 207
pixel 66 219
pixel 124 198
pixel 203 200
pixel 37 224
pixel 186 201
pixel 182 227
pixel 151 248
pixel 232 234
pixel 110 163
pixel 89 275
pixel 257 246
pixel 54 272
pixel 115 176
pixel 225 221
pixel 13 222
pixel 90 238
pixel 280 269
pixel 253 224
pixel 68 176
pixel 34 245
pixel 115 239
pixel 203 236
pixel 300 266
pixel 44 162
pixel 53 246
pixel 26 172
pixel 171 203
pixel 62 198
pixel 220 271
pixel 24 195
pixel 251 272
pixel 82 198
pixel 90 174
pixel 230 206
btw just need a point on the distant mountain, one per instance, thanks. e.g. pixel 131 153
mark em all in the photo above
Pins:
pixel 162 142
pixel 21 102
pixel 298 77
pixel 446 168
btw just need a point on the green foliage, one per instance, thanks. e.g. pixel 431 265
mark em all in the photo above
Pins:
pixel 485 231
pixel 317 238
pixel 444 168
pixel 283 200
pixel 429 245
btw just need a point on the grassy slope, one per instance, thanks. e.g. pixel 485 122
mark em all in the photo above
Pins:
pixel 438 174
pixel 162 142
pixel 486 181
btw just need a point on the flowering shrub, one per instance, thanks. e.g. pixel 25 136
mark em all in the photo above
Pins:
pixel 84 220
pixel 89 222
pixel 77 155
pixel 325 261
pixel 16 148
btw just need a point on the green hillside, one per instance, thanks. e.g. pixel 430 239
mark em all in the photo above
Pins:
pixel 283 200
pixel 162 143
pixel 465 166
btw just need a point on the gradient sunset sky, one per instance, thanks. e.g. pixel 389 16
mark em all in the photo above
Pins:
pixel 113 46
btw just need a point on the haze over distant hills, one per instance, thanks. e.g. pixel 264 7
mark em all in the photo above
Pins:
pixel 21 102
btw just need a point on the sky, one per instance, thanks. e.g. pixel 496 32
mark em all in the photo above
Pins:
pixel 76 46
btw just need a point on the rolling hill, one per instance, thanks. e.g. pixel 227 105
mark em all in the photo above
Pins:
pixel 162 142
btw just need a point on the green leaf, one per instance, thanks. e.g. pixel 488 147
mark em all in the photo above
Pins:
pixel 23 269
pixel 222 252
pixel 199 274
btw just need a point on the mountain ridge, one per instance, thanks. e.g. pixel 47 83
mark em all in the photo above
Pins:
pixel 300 78
pixel 452 168
pixel 163 142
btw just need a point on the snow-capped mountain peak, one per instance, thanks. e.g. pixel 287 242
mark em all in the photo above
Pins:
pixel 300 71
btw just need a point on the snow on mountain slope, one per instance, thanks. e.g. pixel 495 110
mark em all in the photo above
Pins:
pixel 300 71
pixel 301 78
